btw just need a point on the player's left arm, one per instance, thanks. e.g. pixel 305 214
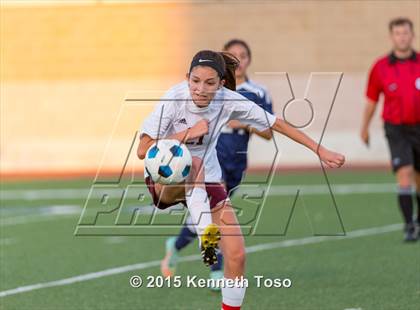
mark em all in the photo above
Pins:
pixel 235 124
pixel 267 105
pixel 252 114
pixel 266 134
pixel 330 158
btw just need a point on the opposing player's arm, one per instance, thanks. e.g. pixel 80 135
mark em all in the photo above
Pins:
pixel 331 159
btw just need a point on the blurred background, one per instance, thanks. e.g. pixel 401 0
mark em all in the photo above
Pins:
pixel 67 66
pixel 69 73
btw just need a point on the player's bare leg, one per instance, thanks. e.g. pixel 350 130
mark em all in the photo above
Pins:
pixel 233 249
pixel 170 193
pixel 405 176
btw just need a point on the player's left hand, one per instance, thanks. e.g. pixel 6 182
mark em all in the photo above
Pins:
pixel 331 159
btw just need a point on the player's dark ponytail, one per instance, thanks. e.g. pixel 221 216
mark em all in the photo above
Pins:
pixel 231 64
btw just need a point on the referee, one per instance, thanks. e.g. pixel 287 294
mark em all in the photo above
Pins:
pixel 397 77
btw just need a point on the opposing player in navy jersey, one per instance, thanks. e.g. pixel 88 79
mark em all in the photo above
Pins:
pixel 232 147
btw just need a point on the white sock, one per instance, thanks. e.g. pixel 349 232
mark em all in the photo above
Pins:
pixel 233 296
pixel 199 208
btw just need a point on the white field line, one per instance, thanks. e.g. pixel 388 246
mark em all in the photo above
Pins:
pixel 155 263
pixel 63 211
pixel 45 213
pixel 7 241
pixel 114 240
pixel 277 190
pixel 25 219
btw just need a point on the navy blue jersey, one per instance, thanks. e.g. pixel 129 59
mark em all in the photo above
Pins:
pixel 232 145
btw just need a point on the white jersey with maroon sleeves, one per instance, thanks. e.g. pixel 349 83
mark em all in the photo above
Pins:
pixel 176 112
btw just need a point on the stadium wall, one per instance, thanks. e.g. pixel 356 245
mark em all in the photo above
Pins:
pixel 66 70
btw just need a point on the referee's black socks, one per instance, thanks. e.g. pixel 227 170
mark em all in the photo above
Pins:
pixel 405 199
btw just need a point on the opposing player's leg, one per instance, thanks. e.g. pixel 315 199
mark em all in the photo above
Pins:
pixel 216 271
pixel 186 235
pixel 233 249
pixel 169 262
pixel 164 196
pixel 174 245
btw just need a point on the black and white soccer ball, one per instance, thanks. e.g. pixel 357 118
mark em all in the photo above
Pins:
pixel 168 162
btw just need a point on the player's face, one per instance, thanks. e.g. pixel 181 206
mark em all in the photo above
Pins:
pixel 241 53
pixel 203 82
pixel 402 37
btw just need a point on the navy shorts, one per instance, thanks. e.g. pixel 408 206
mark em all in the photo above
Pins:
pixel 215 191
pixel 232 180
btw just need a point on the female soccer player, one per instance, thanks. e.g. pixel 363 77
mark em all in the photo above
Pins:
pixel 194 114
pixel 232 147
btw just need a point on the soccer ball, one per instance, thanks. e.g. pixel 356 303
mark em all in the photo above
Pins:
pixel 168 162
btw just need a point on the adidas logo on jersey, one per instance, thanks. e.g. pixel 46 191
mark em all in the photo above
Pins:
pixel 182 121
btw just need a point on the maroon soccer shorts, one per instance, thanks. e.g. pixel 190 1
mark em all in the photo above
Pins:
pixel 215 191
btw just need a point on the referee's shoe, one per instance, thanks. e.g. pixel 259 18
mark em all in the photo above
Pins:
pixel 411 232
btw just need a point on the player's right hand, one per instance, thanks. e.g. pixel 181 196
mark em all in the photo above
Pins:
pixel 364 135
pixel 200 128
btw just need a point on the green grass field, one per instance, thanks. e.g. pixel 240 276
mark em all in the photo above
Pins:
pixel 369 268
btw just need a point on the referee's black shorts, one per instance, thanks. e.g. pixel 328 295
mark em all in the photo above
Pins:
pixel 404 143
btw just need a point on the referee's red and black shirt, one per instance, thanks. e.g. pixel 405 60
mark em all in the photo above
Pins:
pixel 399 81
